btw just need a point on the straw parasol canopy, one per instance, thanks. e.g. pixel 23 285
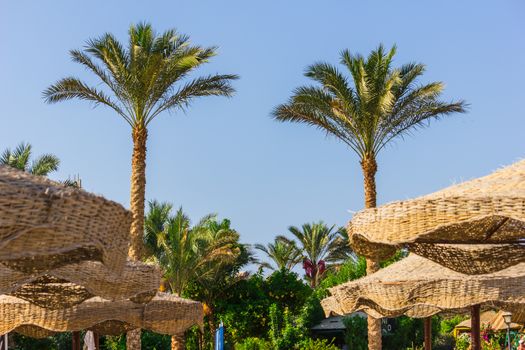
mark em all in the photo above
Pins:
pixel 487 211
pixel 418 287
pixel 165 314
pixel 45 225
pixel 491 318
pixel 72 284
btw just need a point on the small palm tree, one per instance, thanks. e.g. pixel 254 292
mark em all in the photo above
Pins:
pixel 374 106
pixel 283 253
pixel 139 83
pixel 319 244
pixel 189 254
pixel 20 158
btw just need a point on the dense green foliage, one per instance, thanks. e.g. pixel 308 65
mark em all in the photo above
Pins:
pixel 61 341
pixel 150 340
pixel 356 336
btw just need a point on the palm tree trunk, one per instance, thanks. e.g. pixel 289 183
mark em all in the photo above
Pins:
pixel 133 339
pixel 369 167
pixel 211 324
pixel 138 191
pixel 178 342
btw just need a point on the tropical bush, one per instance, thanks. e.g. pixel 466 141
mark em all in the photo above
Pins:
pixel 286 289
pixel 463 342
pixel 356 335
pixel 253 344
pixel 317 344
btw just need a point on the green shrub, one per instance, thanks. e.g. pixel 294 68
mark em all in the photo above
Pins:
pixel 253 344
pixel 356 334
pixel 317 344
pixel 448 324
pixel 283 334
pixel 463 342
pixel 287 290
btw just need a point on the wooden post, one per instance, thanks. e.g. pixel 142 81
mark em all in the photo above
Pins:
pixel 428 333
pixel 475 328
pixel 97 340
pixel 76 341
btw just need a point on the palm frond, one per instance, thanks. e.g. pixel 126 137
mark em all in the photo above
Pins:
pixel 376 104
pixel 44 165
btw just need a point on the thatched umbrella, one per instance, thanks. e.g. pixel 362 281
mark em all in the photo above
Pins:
pixel 487 212
pixel 44 225
pixel 71 284
pixel 418 287
pixel 165 314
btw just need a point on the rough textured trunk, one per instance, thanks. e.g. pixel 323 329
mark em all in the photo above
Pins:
pixel 211 324
pixel 369 166
pixel 428 333
pixel 178 342
pixel 133 339
pixel 475 332
pixel 138 191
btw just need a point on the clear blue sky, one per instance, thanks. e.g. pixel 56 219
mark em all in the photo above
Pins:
pixel 227 155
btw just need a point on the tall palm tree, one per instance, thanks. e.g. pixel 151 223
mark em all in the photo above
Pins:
pixel 20 158
pixel 376 104
pixel 188 254
pixel 318 244
pixel 139 83
pixel 283 253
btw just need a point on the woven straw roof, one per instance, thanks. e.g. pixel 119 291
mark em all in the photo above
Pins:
pixel 489 210
pixel 165 313
pixel 492 318
pixel 418 287
pixel 72 284
pixel 44 224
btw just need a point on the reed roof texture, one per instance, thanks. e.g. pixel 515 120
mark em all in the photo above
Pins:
pixel 165 313
pixel 442 226
pixel 71 284
pixel 45 225
pixel 418 287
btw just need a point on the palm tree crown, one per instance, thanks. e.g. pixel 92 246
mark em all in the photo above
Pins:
pixel 380 104
pixel 187 253
pixel 319 244
pixel 20 158
pixel 283 253
pixel 144 79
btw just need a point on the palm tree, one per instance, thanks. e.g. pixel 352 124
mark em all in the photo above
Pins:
pixel 188 254
pixel 19 158
pixel 283 253
pixel 319 244
pixel 376 105
pixel 139 83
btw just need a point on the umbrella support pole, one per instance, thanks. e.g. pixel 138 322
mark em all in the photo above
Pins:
pixel 475 332
pixel 97 340
pixel 76 341
pixel 428 333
